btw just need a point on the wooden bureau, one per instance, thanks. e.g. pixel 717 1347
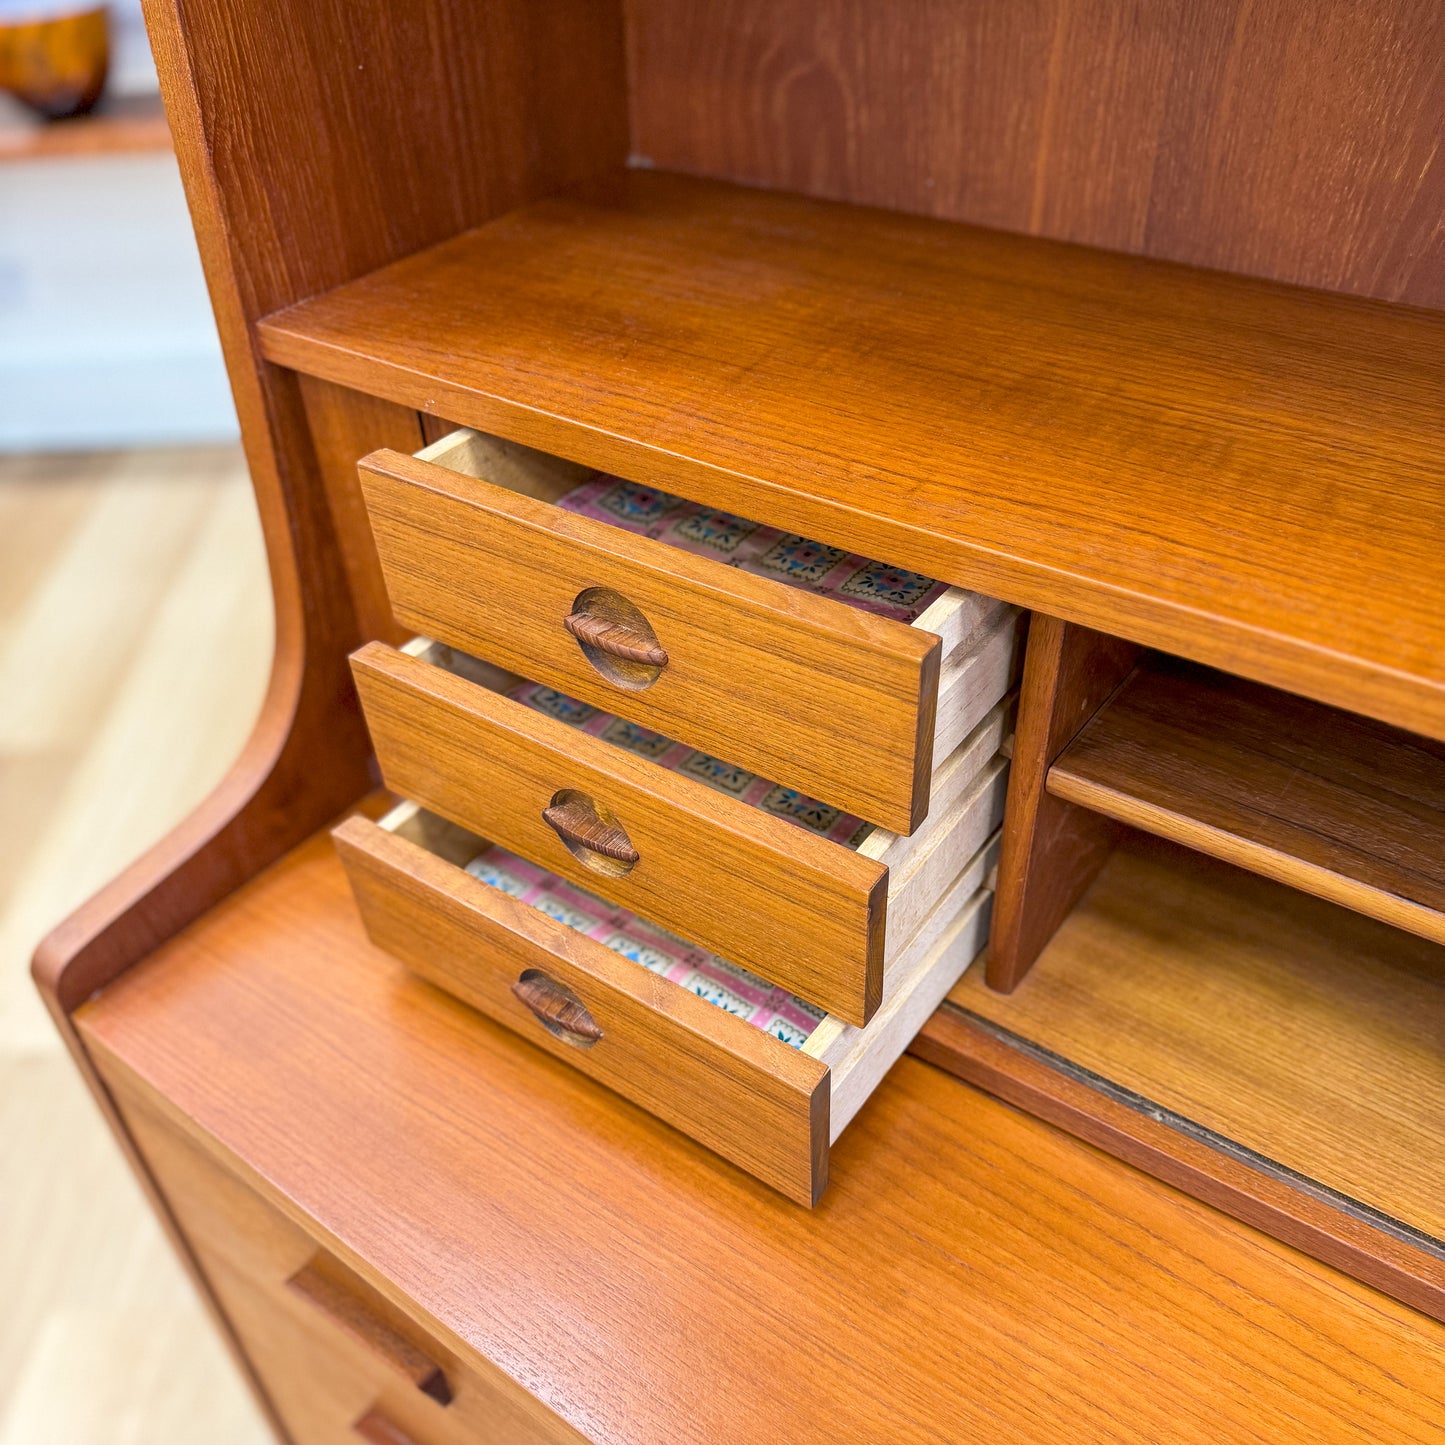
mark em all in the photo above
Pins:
pixel 557 1092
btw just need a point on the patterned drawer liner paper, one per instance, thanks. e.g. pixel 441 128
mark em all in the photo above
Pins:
pixel 765 551
pixel 724 984
pixel 786 803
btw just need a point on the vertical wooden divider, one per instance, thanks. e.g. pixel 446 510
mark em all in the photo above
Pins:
pixel 1052 850
pixel 346 425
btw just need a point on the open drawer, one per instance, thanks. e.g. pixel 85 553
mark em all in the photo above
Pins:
pixel 770 1107
pixel 840 703
pixel 733 878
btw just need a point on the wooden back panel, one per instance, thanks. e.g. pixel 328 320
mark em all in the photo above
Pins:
pixel 1295 140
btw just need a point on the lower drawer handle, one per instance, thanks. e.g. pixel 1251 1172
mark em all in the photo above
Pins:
pixel 557 1008
pixel 576 822
pixel 322 1285
pixel 376 1429
pixel 615 639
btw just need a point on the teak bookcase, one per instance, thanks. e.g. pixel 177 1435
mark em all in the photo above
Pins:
pixel 1128 317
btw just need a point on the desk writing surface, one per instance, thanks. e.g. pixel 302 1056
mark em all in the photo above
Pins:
pixel 970 1274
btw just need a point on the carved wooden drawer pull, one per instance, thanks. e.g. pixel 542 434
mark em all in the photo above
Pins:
pixel 581 824
pixel 376 1429
pixel 615 639
pixel 559 1010
pixel 347 1303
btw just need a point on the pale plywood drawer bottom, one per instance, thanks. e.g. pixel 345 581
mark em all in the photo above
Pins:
pixel 771 1108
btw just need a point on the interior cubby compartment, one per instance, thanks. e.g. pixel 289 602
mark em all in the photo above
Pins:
pixel 1338 805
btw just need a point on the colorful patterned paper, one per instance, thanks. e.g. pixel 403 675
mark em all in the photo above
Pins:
pixel 785 803
pixel 723 984
pixel 765 551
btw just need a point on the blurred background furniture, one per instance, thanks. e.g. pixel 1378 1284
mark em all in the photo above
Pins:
pixel 106 332
pixel 109 735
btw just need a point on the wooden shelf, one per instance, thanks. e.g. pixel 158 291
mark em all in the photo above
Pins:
pixel 962 1241
pixel 1342 807
pixel 1308 1035
pixel 120 125
pixel 1242 473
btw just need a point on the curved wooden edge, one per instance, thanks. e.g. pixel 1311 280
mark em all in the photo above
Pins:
pixel 307 757
pixel 273 797
pixel 1268 1201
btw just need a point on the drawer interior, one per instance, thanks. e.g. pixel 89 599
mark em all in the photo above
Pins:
pixel 977 761
pixel 979 635
pixel 937 954
pixel 951 613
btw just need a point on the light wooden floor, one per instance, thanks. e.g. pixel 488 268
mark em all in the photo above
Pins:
pixel 135 638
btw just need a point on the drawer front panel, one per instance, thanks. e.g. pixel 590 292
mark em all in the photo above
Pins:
pixel 320 1378
pixel 720 1080
pixel 757 672
pixel 723 874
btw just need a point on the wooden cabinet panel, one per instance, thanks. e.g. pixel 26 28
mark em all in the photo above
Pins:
pixel 325 1363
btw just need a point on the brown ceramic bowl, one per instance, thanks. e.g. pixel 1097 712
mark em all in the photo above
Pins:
pixel 56 64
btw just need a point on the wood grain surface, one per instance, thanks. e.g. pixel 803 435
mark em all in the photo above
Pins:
pixel 725 1083
pixel 801 911
pixel 971 1272
pixel 260 114
pixel 757 672
pixel 1237 472
pixel 860 1059
pixel 1304 1032
pixel 322 1378
pixel 343 1303
pixel 267 121
pixel 345 425
pixel 1296 141
pixel 1131 1128
pixel 953 780
pixel 1051 849
pixel 1326 801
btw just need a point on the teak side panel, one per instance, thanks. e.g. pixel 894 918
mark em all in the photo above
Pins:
pixel 1295 141
pixel 294 148
pixel 1303 1032
pixel 810 693
pixel 725 1083
pixel 1237 472
pixel 1320 799
pixel 803 912
pixel 628 1274
pixel 291 155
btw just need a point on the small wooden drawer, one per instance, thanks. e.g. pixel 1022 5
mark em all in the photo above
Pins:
pixel 771 1108
pixel 839 703
pixel 720 872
